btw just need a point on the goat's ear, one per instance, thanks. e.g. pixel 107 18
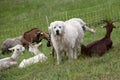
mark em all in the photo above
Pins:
pixel 11 49
pixel 114 21
pixel 105 21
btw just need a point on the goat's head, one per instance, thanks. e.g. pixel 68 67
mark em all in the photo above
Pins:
pixel 44 35
pixel 41 35
pixel 109 24
pixel 18 48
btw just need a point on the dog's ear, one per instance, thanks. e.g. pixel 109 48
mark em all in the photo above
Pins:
pixel 49 29
pixel 63 26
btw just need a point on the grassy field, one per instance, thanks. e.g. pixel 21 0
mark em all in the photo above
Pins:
pixel 18 16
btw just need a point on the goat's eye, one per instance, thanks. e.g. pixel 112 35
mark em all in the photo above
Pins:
pixel 41 33
pixel 17 49
pixel 59 26
pixel 54 27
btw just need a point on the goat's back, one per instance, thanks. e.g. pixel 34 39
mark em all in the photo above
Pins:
pixel 31 34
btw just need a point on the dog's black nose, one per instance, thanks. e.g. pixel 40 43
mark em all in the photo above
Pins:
pixel 57 32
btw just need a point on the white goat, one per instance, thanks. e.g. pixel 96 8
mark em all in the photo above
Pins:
pixel 39 57
pixel 11 61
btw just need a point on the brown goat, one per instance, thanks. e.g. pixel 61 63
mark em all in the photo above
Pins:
pixel 99 47
pixel 34 35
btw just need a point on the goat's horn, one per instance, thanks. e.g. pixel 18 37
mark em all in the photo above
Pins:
pixel 105 21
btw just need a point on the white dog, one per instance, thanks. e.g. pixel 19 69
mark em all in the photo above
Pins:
pixel 66 37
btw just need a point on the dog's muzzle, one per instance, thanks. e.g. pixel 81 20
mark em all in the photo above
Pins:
pixel 57 32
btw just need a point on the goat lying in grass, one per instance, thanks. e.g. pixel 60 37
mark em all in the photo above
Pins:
pixel 33 35
pixel 99 47
pixel 10 42
pixel 11 61
pixel 39 57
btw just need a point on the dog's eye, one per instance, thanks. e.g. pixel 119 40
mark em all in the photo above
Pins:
pixel 54 27
pixel 59 26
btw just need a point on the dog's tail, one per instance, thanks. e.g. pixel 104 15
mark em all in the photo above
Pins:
pixel 84 26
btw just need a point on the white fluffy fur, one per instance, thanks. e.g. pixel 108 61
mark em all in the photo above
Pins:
pixel 11 61
pixel 27 62
pixel 39 57
pixel 66 37
pixel 82 23
pixel 34 48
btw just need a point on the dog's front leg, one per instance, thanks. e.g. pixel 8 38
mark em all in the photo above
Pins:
pixel 70 54
pixel 75 53
pixel 58 57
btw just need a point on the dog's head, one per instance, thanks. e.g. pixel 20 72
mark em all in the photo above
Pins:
pixel 56 28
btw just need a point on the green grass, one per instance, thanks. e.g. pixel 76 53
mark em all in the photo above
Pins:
pixel 18 16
